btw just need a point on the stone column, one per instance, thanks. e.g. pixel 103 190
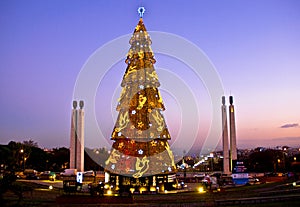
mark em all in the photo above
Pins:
pixel 226 169
pixel 80 139
pixel 73 136
pixel 233 150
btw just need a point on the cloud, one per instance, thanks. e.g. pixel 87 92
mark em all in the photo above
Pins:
pixel 290 125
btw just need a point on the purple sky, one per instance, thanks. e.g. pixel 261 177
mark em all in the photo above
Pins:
pixel 254 46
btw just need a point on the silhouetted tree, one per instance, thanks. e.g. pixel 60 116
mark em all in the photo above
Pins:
pixel 268 160
pixel 36 159
pixel 90 164
pixel 30 143
pixel 60 159
pixel 14 156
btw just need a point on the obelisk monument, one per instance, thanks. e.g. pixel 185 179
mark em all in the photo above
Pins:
pixel 226 169
pixel 77 137
pixel 233 150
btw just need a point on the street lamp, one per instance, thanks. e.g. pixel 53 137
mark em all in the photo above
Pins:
pixel 25 158
pixel 184 166
pixel 211 155
pixel 206 163
pixel 22 158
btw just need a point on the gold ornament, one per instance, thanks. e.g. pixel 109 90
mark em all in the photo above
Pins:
pixel 141 54
pixel 140 124
pixel 123 120
pixel 160 99
pixel 113 158
pixel 142 101
pixel 152 75
pixel 141 166
pixel 121 145
pixel 159 120
pixel 170 154
pixel 153 143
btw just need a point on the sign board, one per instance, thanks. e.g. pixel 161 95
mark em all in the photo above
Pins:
pixel 79 177
pixel 240 175
pixel 239 172
pixel 238 167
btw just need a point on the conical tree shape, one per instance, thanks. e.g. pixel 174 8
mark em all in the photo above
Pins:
pixel 140 134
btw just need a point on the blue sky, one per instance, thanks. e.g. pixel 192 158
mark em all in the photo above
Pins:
pixel 254 46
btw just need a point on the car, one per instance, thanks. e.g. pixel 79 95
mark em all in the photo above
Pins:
pixel 31 174
pixel 48 175
pixel 69 172
pixel 32 177
pixel 253 180
pixel 89 173
pixel 199 176
pixel 226 181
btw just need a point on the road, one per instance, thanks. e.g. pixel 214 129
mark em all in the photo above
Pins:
pixel 55 184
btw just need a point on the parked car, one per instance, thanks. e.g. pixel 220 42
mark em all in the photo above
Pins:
pixel 45 175
pixel 69 172
pixel 32 177
pixel 253 180
pixel 226 181
pixel 31 174
pixel 89 173
pixel 29 171
pixel 48 175
pixel 199 175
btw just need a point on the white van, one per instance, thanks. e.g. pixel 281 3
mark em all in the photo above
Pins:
pixel 69 172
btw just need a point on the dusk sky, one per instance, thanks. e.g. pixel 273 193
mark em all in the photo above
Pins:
pixel 254 46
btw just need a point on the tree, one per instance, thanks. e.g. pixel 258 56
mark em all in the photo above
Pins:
pixel 15 158
pixel 140 134
pixel 35 158
pixel 268 160
pixel 60 159
pixel 5 157
pixel 30 143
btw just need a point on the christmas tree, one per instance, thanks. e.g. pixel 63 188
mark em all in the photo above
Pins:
pixel 140 135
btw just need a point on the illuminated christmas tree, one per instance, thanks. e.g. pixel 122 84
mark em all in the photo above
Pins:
pixel 140 135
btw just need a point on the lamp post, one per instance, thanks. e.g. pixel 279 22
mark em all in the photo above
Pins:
pixel 283 159
pixel 22 158
pixel 211 155
pixel 184 167
pixel 25 158
pixel 206 164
